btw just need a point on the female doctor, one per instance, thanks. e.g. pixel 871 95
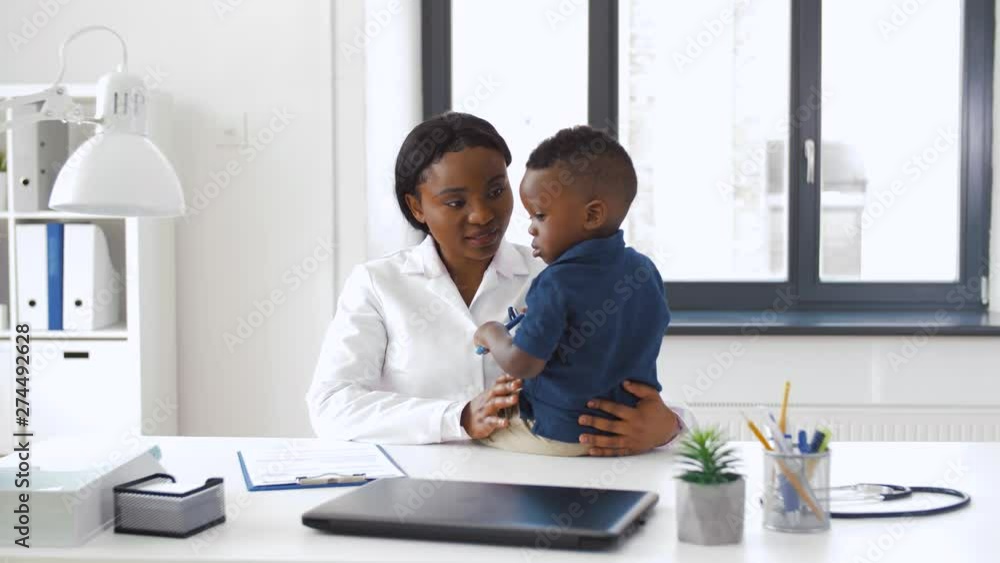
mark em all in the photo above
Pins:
pixel 398 364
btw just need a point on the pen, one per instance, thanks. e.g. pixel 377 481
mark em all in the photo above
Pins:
pixel 771 426
pixel 822 441
pixel 515 318
pixel 783 421
pixel 817 439
pixel 804 443
pixel 756 432
pixel 331 479
pixel 823 445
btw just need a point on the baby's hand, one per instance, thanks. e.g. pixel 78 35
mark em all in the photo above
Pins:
pixel 486 333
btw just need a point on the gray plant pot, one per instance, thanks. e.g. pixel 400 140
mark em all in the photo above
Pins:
pixel 710 514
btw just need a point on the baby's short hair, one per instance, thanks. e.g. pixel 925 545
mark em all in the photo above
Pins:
pixel 592 155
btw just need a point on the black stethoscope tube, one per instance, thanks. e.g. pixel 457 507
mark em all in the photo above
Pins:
pixel 898 492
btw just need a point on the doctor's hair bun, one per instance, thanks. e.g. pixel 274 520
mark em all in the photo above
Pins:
pixel 429 141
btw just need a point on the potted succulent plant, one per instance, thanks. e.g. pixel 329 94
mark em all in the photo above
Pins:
pixel 710 493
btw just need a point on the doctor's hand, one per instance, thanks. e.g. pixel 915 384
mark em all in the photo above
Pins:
pixel 480 417
pixel 648 425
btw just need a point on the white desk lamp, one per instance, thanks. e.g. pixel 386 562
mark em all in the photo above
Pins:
pixel 118 171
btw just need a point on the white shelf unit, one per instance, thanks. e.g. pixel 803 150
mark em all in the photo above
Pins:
pixel 117 380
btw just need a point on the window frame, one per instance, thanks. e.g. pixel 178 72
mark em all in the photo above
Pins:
pixel 803 290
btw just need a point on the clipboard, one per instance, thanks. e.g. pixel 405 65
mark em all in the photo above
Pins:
pixel 382 465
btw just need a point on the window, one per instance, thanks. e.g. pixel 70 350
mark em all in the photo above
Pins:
pixel 703 111
pixel 891 184
pixel 500 76
pixel 836 152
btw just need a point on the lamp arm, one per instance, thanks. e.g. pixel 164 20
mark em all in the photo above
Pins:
pixel 123 67
pixel 56 106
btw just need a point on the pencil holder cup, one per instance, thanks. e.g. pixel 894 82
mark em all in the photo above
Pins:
pixel 795 487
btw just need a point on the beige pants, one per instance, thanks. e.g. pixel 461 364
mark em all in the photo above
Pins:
pixel 517 437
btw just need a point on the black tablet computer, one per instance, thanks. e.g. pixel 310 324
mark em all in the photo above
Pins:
pixel 528 515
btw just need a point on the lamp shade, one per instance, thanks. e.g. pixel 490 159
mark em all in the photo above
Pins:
pixel 118 173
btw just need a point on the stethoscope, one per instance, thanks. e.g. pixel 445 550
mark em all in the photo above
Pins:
pixel 880 492
pixel 513 319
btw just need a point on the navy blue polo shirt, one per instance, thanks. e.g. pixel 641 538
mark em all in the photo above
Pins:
pixel 597 314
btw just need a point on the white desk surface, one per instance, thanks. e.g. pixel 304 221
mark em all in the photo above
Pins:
pixel 266 526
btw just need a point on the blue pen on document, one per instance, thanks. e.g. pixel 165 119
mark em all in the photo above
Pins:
pixel 515 318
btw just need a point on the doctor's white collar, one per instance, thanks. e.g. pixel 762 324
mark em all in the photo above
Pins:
pixel 424 259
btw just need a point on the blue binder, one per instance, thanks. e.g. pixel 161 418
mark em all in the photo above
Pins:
pixel 54 234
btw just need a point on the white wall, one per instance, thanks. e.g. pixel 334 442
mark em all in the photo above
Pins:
pixel 350 46
pixel 259 58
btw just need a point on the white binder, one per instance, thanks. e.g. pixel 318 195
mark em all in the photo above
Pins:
pixel 92 292
pixel 32 276
pixel 36 155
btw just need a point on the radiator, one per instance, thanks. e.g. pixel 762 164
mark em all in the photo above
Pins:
pixel 881 423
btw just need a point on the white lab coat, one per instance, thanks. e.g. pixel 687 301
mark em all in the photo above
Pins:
pixel 398 364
